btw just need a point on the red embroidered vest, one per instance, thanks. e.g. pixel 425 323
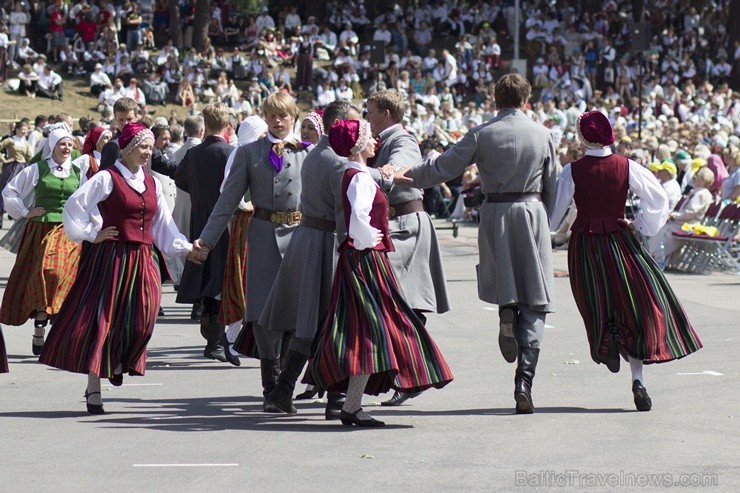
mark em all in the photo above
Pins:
pixel 129 211
pixel 601 187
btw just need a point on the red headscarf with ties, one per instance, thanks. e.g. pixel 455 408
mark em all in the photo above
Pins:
pixel 349 137
pixel 594 130
pixel 92 138
pixel 133 134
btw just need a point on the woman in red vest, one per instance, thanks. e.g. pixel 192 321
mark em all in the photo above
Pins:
pixel 371 340
pixel 107 320
pixel 46 264
pixel 626 303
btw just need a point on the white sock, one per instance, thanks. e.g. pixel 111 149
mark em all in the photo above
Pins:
pixel 355 389
pixel 93 389
pixel 636 368
pixel 232 331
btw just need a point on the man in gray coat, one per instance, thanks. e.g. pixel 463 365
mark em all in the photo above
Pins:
pixel 417 261
pixel 517 164
pixel 270 169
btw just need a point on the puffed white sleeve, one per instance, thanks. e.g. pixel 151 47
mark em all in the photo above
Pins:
pixel 82 220
pixel 18 194
pixel 563 196
pixel 164 231
pixel 229 163
pixel 653 211
pixel 361 192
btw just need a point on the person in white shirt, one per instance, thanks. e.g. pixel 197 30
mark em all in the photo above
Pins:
pixel 134 92
pixel 382 34
pixel 99 80
pixel 666 174
pixel 50 85
pixel 264 21
pixel 343 91
pixel 292 22
pixel 18 20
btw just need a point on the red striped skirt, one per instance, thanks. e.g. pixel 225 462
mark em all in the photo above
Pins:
pixel 371 329
pixel 619 288
pixel 3 354
pixel 18 300
pixel 109 314
pixel 233 295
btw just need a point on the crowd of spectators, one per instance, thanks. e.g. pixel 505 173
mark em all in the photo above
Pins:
pixel 444 56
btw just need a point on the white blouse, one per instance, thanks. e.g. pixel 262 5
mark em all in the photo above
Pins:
pixel 653 210
pixel 18 195
pixel 82 219
pixel 361 193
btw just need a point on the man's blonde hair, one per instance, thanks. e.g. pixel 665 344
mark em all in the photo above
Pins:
pixel 215 117
pixel 278 103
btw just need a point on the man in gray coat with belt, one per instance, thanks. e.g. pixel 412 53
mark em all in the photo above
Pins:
pixel 270 169
pixel 517 164
pixel 417 261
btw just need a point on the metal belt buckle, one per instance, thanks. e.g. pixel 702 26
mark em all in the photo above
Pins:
pixel 293 217
pixel 391 212
pixel 277 218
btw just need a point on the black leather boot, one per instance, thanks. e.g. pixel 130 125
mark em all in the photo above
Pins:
pixel 270 371
pixel 214 347
pixel 334 404
pixel 282 395
pixel 524 376
pixel 508 316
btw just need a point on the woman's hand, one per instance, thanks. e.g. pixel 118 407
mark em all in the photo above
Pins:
pixel 109 233
pixel 378 238
pixel 627 224
pixel 36 212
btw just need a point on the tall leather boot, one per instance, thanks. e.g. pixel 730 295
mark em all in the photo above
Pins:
pixel 214 349
pixel 270 371
pixel 526 364
pixel 282 395
pixel 334 404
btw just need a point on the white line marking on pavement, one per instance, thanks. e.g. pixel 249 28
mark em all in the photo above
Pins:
pixel 185 465
pixel 705 372
pixel 137 385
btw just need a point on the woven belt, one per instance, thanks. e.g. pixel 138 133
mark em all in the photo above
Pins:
pixel 278 217
pixel 318 223
pixel 498 198
pixel 403 208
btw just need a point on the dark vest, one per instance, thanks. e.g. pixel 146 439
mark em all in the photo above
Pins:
pixel 378 214
pixel 601 187
pixel 129 211
pixel 52 193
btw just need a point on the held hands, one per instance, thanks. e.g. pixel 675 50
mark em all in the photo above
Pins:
pixel 109 233
pixel 396 173
pixel 36 212
pixel 627 223
pixel 199 253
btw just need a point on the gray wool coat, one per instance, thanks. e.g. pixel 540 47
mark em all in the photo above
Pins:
pixel 417 261
pixel 266 242
pixel 514 155
pixel 300 296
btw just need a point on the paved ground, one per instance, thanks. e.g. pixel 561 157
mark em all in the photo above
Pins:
pixel 192 424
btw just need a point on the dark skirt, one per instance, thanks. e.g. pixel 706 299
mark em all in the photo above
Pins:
pixel 10 170
pixel 619 288
pixel 18 300
pixel 371 329
pixel 109 314
pixel 3 354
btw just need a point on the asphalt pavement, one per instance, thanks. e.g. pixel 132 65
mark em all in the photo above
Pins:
pixel 192 424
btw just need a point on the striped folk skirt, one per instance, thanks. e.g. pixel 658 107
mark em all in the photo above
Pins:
pixel 233 295
pixel 619 288
pixel 109 314
pixel 44 270
pixel 3 354
pixel 371 329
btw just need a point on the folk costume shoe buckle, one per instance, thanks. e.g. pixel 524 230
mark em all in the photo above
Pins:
pixel 507 326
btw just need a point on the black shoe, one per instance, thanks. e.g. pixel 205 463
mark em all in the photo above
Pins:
pixel 612 361
pixel 282 395
pixel 93 408
pixel 399 398
pixel 269 373
pixel 37 349
pixel 523 379
pixel 334 404
pixel 507 325
pixel 352 419
pixel 197 311
pixel 116 380
pixel 231 357
pixel 310 392
pixel 642 399
pixel 215 352
pixel 161 312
